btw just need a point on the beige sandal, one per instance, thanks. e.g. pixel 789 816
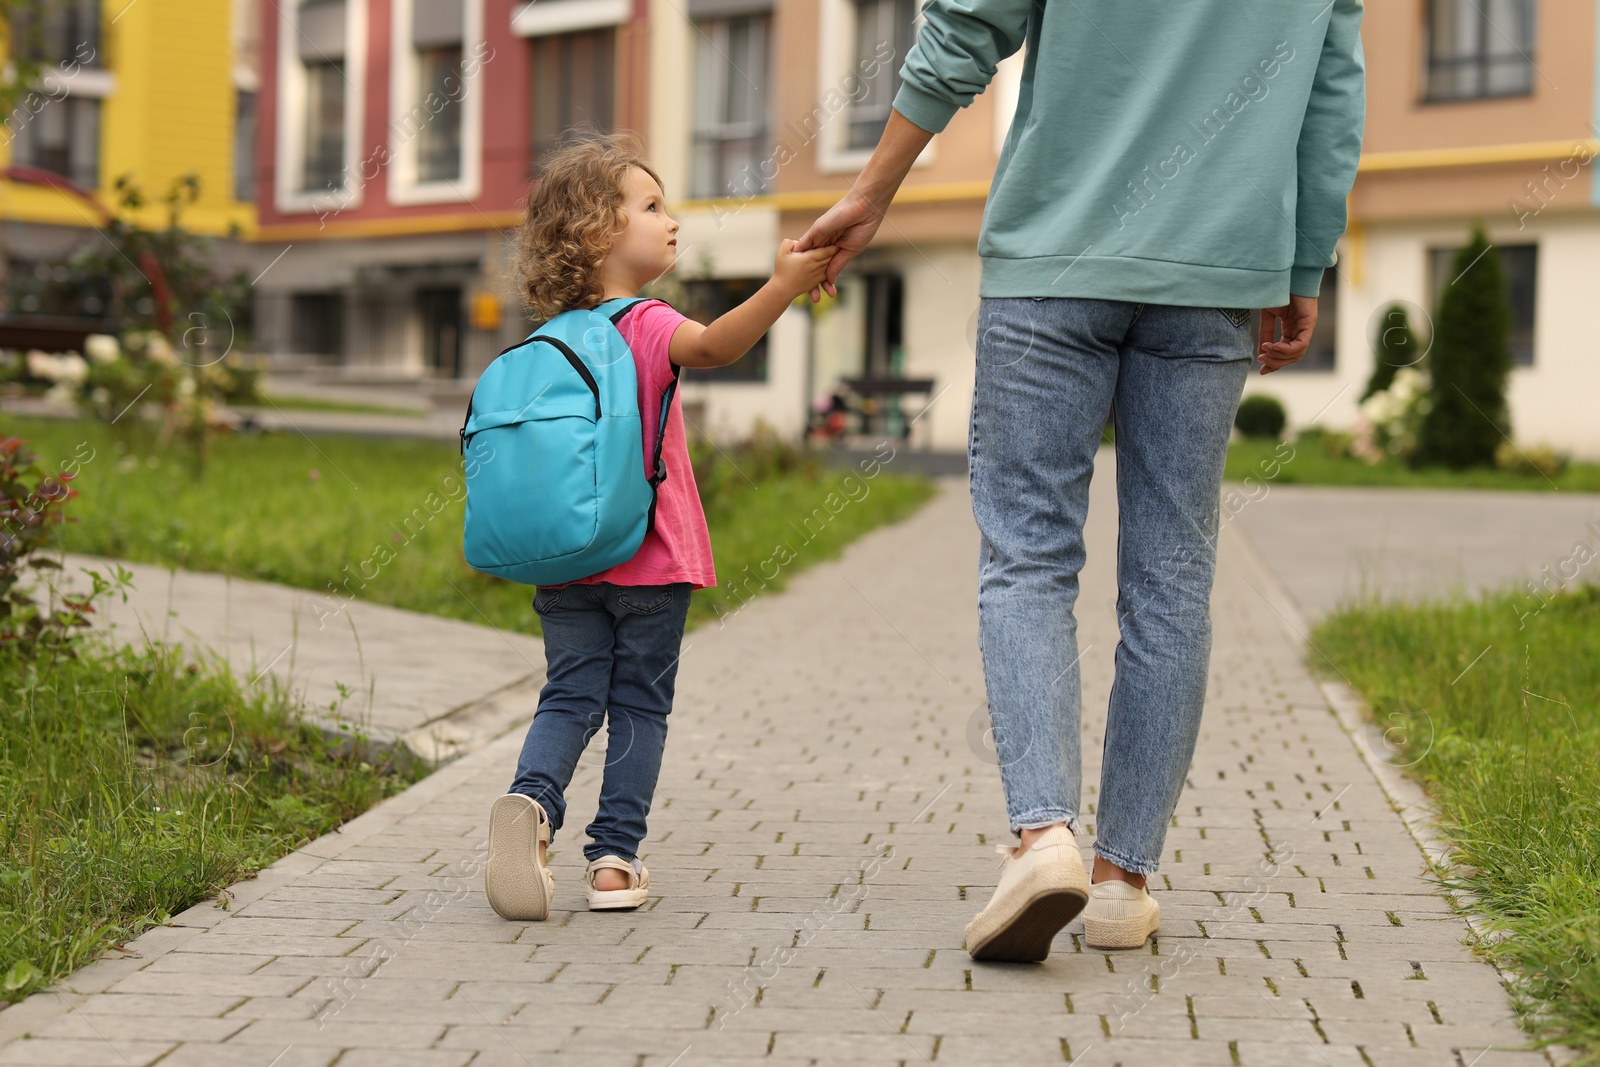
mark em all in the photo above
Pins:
pixel 516 880
pixel 609 899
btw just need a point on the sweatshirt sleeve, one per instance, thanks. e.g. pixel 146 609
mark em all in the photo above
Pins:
pixel 959 45
pixel 1329 148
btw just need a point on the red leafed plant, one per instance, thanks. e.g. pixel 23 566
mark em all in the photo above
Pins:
pixel 32 506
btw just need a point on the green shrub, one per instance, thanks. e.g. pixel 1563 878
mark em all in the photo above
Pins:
pixel 1395 347
pixel 1260 415
pixel 1470 362
pixel 1530 459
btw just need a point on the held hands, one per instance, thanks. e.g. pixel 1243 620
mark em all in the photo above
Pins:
pixel 797 272
pixel 847 228
pixel 1299 318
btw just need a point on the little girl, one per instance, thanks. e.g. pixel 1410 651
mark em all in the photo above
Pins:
pixel 597 228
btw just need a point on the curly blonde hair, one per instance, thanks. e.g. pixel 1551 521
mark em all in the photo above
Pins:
pixel 573 213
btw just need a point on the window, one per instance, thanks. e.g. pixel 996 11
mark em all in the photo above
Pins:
pixel 436 36
pixel 1520 263
pixel 730 107
pixel 707 298
pixel 316 324
pixel 65 31
pixel 1321 354
pixel 244 145
pixel 51 131
pixel 884 342
pixel 439 144
pixel 440 310
pixel 877 23
pixel 324 127
pixel 64 138
pixel 1479 48
pixel 322 54
pixel 573 84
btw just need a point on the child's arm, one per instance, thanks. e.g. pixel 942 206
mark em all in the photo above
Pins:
pixel 732 335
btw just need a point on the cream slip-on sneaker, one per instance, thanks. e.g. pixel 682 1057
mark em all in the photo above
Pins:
pixel 607 899
pixel 518 884
pixel 1040 891
pixel 1119 916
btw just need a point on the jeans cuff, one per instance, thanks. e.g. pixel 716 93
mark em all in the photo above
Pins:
pixel 1042 817
pixel 1127 862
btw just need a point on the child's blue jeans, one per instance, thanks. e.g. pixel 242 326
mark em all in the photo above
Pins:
pixel 607 648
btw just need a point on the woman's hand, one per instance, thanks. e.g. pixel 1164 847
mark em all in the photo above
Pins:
pixel 1299 318
pixel 797 271
pixel 848 225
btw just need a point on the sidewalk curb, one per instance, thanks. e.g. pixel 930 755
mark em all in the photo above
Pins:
pixel 25 1016
pixel 1406 798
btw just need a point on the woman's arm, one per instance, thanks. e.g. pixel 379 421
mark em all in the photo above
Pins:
pixel 851 222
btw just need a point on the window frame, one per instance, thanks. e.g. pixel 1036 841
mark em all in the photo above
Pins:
pixel 755 366
pixel 714 32
pixel 1481 59
pixel 1524 341
pixel 405 185
pixel 69 109
pixel 288 195
pixel 562 41
pixel 836 61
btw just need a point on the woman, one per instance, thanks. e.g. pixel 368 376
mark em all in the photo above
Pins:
pixel 1168 168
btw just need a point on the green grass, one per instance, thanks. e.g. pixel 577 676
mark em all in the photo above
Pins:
pixel 1507 746
pixel 134 784
pixel 1312 465
pixel 381 519
pixel 316 403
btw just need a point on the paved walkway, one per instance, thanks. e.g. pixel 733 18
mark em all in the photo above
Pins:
pixel 822 832
pixel 1331 544
pixel 442 685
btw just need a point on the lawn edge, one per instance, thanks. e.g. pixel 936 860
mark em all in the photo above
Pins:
pixel 26 1016
pixel 1406 797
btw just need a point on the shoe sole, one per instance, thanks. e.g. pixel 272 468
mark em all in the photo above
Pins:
pixel 1029 934
pixel 513 880
pixel 617 899
pixel 1121 933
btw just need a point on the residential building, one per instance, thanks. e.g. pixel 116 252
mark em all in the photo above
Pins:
pixel 1474 112
pixel 781 110
pixel 398 139
pixel 108 106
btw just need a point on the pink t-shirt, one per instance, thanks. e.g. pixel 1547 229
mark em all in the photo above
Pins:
pixel 678 547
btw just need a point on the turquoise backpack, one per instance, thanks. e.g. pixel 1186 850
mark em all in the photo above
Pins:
pixel 556 489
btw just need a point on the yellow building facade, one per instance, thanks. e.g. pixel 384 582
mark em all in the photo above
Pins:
pixel 148 89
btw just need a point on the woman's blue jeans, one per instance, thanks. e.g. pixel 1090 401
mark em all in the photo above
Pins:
pixel 611 654
pixel 1049 372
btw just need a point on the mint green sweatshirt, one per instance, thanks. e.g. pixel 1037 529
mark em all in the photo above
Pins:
pixel 1190 152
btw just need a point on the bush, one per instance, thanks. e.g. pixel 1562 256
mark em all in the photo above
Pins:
pixel 1396 347
pixel 1530 459
pixel 1470 362
pixel 1260 415
pixel 1335 444
pixel 32 509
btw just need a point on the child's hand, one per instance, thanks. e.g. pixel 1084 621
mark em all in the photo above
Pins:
pixel 800 272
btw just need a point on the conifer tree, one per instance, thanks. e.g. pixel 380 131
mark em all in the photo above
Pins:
pixel 1470 362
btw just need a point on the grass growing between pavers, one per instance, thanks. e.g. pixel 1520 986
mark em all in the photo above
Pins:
pixel 134 784
pixel 1494 706
pixel 1306 462
pixel 380 520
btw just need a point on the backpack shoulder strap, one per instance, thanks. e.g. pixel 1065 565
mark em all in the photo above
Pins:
pixel 619 306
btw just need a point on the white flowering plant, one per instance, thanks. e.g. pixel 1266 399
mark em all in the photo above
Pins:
pixel 1387 422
